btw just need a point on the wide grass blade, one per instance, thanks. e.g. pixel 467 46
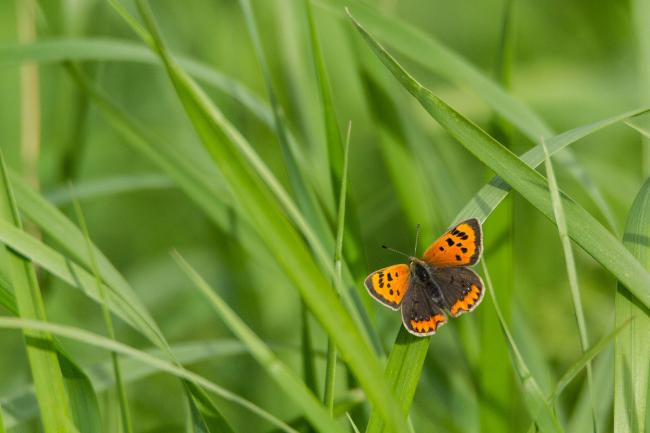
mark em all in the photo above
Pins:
pixel 444 62
pixel 572 273
pixel 53 401
pixel 632 351
pixel 490 195
pixel 583 228
pixel 83 401
pixel 293 387
pixel 99 341
pixel 225 146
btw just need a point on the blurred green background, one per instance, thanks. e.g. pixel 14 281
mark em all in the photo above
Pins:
pixel 571 62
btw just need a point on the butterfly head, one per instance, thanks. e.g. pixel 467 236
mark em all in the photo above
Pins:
pixel 418 268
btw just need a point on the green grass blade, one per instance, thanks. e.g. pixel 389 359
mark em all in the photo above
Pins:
pixel 352 424
pixel 293 387
pixel 21 406
pixel 585 360
pixel 108 322
pixel 330 367
pixel 444 62
pixel 583 228
pixel 109 186
pixel 580 421
pixel 572 273
pixel 53 401
pixel 297 178
pixel 224 144
pixel 632 351
pixel 332 130
pixel 99 341
pixel 539 409
pixel 640 13
pixel 490 195
pixel 83 401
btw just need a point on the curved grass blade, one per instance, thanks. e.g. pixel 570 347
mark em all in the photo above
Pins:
pixel 293 387
pixel 108 186
pixel 572 272
pixel 490 195
pixel 539 409
pixel 444 62
pixel 632 351
pixel 21 407
pixel 225 146
pixel 53 399
pixel 528 182
pixel 583 228
pixel 99 341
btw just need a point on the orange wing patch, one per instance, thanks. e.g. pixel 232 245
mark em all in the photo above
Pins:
pixel 468 302
pixel 426 327
pixel 389 285
pixel 460 246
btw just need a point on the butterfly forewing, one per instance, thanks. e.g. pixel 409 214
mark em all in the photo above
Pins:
pixel 460 246
pixel 462 289
pixel 389 285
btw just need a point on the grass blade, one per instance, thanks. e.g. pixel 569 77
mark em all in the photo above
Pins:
pixel 583 228
pixel 490 195
pixel 330 367
pixel 285 379
pixel 224 144
pixel 332 130
pixel 442 61
pixel 585 360
pixel 540 411
pixel 632 352
pixel 640 13
pixel 99 341
pixel 108 186
pixel 297 178
pixel 572 273
pixel 108 322
pixel 46 370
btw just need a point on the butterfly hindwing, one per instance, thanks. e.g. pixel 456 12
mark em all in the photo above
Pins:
pixel 389 285
pixel 462 289
pixel 420 315
pixel 460 246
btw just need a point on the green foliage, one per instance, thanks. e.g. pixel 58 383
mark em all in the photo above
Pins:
pixel 214 129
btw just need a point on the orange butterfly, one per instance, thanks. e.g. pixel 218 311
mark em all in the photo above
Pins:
pixel 441 281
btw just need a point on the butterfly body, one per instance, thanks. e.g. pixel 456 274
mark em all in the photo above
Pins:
pixel 440 282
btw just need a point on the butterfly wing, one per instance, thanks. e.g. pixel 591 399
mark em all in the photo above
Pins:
pixel 389 285
pixel 420 315
pixel 460 246
pixel 462 289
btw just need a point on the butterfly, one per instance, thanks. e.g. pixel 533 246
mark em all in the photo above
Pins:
pixel 439 282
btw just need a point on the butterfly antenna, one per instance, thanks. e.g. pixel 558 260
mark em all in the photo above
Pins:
pixel 417 239
pixel 394 250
